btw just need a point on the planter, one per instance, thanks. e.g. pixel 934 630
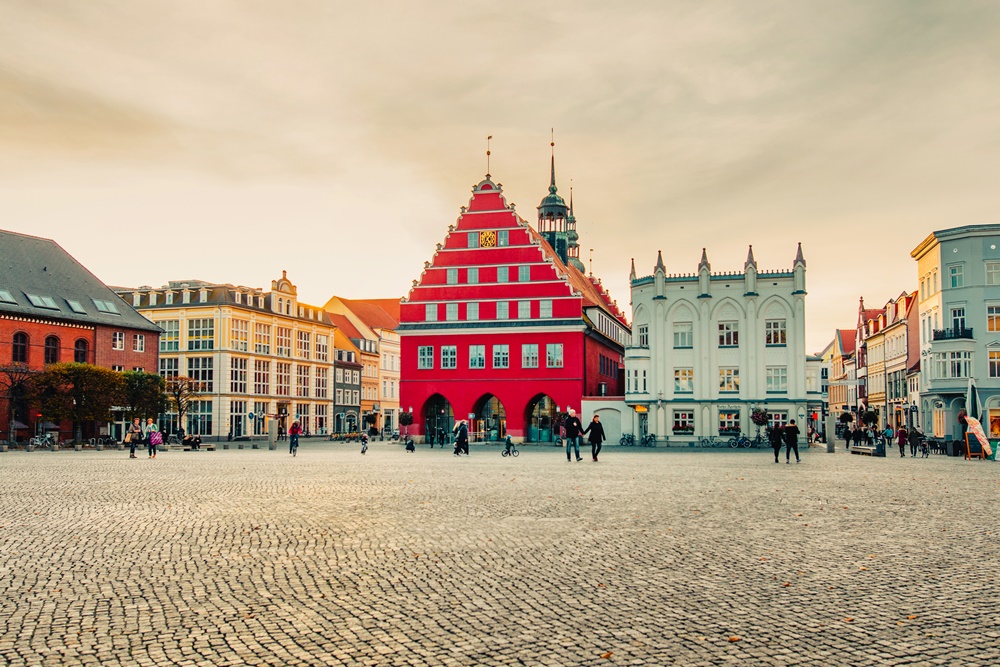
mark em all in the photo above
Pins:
pixel 77 448
pixel 225 445
pixel 239 445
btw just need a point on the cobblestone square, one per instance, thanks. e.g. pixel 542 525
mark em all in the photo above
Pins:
pixel 647 558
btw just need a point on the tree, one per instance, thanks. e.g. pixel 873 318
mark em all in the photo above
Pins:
pixel 405 419
pixel 182 391
pixel 846 417
pixel 15 389
pixel 869 417
pixel 143 394
pixel 77 392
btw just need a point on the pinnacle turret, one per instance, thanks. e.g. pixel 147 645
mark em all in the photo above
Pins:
pixel 750 260
pixel 703 264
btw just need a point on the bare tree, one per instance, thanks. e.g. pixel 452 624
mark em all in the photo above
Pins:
pixel 182 391
pixel 14 389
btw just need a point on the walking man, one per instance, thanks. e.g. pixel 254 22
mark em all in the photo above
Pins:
pixel 596 436
pixel 791 433
pixel 573 437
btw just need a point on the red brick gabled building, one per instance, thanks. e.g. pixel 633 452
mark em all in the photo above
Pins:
pixel 52 309
pixel 504 325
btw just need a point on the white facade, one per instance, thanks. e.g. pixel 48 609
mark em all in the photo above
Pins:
pixel 958 271
pixel 708 348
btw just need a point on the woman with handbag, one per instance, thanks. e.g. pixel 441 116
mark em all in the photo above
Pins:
pixel 133 436
pixel 152 436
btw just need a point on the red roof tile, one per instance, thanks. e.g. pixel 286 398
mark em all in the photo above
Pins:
pixel 376 313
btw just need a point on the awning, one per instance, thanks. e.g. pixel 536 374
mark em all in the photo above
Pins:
pixel 18 425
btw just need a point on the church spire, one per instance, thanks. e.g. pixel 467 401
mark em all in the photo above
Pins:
pixel 799 259
pixel 659 262
pixel 631 275
pixel 703 264
pixel 750 260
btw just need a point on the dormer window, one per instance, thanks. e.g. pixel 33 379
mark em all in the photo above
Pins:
pixel 136 299
pixel 185 297
pixel 42 301
pixel 152 298
pixel 169 298
pixel 203 295
pixel 107 307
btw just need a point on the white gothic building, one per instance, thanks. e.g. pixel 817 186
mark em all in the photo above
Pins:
pixel 708 348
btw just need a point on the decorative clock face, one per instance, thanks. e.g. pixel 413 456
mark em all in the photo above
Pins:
pixel 487 239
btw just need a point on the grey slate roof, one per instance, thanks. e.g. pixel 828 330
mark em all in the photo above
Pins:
pixel 39 267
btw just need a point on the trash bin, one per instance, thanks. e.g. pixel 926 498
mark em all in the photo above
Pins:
pixel 880 448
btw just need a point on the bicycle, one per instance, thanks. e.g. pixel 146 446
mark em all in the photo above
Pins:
pixel 709 442
pixel 741 441
pixel 43 441
pixel 627 440
pixel 509 448
pixel 648 440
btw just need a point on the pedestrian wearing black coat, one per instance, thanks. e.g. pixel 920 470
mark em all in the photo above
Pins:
pixel 595 436
pixel 791 433
pixel 461 438
pixel 774 437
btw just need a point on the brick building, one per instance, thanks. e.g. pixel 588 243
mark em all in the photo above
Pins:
pixel 52 309
pixel 504 326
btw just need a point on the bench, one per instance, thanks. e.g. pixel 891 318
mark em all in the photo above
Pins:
pixel 864 450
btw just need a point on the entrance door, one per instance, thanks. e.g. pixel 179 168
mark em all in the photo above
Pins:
pixel 543 420
pixel 439 420
pixel 491 419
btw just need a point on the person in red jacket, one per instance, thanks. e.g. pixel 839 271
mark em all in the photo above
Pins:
pixel 293 438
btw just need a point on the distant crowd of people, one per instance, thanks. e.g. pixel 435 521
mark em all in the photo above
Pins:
pixel 902 437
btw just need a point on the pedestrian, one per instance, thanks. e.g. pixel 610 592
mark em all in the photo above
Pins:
pixel 281 432
pixel 461 432
pixel 595 435
pixel 573 438
pixel 869 436
pixel 858 436
pixel 151 434
pixel 774 437
pixel 133 436
pixel 293 438
pixel 914 439
pixel 364 443
pixel 901 440
pixel 791 434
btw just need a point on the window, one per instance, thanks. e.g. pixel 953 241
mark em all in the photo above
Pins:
pixel 200 418
pixel 7 297
pixel 729 421
pixel 729 379
pixel 473 239
pixel 729 334
pixel 774 332
pixel 777 379
pixel 644 335
pixel 201 334
pixel 201 370
pixel 261 377
pixel 956 275
pixel 81 351
pixel 51 349
pixel 43 301
pixel 449 356
pixel 283 341
pixel 75 306
pixel 170 338
pixel 554 355
pixel 118 340
pixel 118 369
pixel 683 380
pixel 545 309
pixel 431 312
pixel 778 418
pixel 952 365
pixel 283 378
pixel 472 311
pixel 169 368
pixel 303 344
pixel 994 364
pixel 238 375
pixel 322 347
pixel 503 237
pixel 425 357
pixel 451 276
pixel 503 310
pixel 523 274
pixel 472 276
pixel 339 393
pixel 356 396
pixel 958 318
pixel 107 307
pixel 262 338
pixel 501 356
pixel 239 335
pixel 993 318
pixel 138 343
pixel 993 273
pixel 302 381
pixel 683 334
pixel 477 356
pixel 451 311
pixel 683 421
pixel 529 355
pixel 524 310
pixel 502 274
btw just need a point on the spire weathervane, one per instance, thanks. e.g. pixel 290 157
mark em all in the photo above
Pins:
pixel 488 139
pixel 552 143
pixel 591 262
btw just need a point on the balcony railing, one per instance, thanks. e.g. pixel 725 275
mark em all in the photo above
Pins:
pixel 952 334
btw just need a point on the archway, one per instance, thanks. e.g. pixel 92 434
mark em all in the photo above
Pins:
pixel 542 419
pixel 439 419
pixel 351 422
pixel 491 419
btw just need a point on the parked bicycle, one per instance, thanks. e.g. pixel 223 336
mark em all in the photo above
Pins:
pixel 627 440
pixel 648 440
pixel 47 440
pixel 710 441
pixel 743 441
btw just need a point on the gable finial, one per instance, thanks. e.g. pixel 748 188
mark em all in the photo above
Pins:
pixel 488 139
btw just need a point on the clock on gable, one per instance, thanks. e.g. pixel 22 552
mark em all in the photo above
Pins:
pixel 487 239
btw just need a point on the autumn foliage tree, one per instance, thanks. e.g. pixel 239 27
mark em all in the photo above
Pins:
pixel 182 391
pixel 76 392
pixel 15 390
pixel 143 394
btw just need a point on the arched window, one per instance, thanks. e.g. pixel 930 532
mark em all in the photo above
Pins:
pixel 20 348
pixel 51 350
pixel 80 351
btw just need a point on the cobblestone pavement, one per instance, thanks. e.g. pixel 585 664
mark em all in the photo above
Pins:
pixel 646 558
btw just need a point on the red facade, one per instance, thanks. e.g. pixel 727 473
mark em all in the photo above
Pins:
pixel 501 327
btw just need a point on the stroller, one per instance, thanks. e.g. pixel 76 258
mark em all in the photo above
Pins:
pixel 509 448
pixel 410 446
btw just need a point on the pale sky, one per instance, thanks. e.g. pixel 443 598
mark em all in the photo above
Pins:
pixel 227 140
